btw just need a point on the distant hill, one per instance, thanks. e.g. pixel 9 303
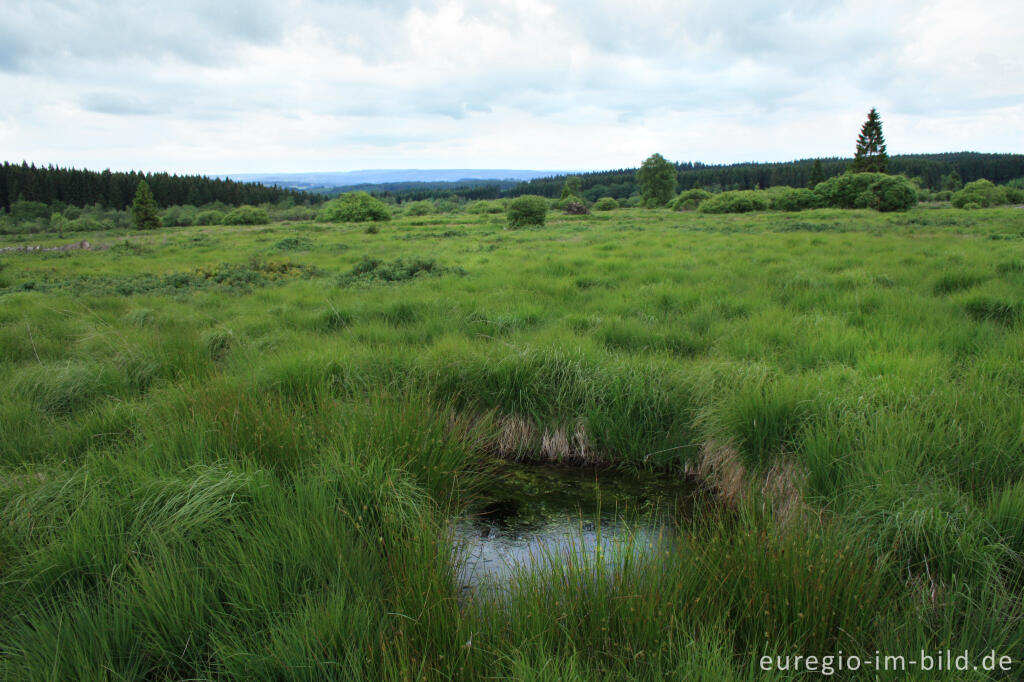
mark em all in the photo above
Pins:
pixel 326 181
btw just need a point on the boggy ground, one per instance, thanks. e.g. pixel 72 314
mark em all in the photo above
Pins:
pixel 229 453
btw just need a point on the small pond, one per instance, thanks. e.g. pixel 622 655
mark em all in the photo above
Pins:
pixel 533 514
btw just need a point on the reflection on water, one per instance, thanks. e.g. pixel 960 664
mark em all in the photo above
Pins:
pixel 535 515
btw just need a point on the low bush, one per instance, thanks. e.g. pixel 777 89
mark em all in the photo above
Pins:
pixel 210 217
pixel 606 204
pixel 527 210
pixel 690 199
pixel 246 215
pixel 354 207
pixel 742 201
pixel 486 207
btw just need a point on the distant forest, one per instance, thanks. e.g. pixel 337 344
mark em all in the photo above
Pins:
pixel 928 169
pixel 75 187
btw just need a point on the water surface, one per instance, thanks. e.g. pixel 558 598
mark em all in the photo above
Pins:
pixel 533 515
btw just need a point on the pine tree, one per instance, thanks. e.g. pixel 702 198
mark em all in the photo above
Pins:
pixel 817 174
pixel 144 208
pixel 571 188
pixel 952 182
pixel 871 156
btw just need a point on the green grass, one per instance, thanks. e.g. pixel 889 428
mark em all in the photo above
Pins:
pixel 230 453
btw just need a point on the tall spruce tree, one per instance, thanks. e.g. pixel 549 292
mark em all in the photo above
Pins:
pixel 144 208
pixel 817 174
pixel 871 156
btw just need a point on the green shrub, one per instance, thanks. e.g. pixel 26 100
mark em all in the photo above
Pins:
pixel 210 217
pixel 690 199
pixel 420 208
pixel 1014 195
pixel 527 210
pixel 790 199
pixel 742 201
pixel 246 215
pixel 980 192
pixel 606 204
pixel 971 205
pixel 634 201
pixel 867 190
pixel 354 207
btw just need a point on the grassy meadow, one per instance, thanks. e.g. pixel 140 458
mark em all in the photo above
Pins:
pixel 231 452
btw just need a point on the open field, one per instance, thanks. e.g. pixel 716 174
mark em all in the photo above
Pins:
pixel 230 452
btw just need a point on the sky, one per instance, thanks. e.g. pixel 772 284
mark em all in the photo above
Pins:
pixel 311 85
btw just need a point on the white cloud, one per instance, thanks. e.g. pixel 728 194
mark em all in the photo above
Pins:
pixel 317 85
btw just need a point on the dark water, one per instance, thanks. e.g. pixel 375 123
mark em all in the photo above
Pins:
pixel 534 516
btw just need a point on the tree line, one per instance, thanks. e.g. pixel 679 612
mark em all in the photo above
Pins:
pixel 115 190
pixel 931 170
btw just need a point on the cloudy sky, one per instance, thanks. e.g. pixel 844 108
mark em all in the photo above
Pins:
pixel 313 85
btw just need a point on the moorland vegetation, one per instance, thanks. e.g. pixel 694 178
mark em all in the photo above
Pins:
pixel 231 452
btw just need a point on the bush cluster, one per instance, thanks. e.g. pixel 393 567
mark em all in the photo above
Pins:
pixel 606 204
pixel 980 193
pixel 790 199
pixel 868 190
